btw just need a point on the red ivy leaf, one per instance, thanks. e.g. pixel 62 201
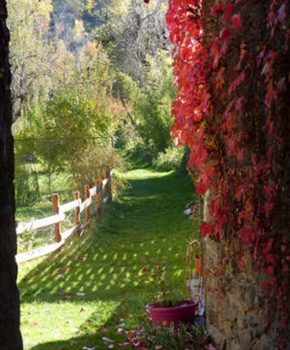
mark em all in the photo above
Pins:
pixel 224 48
pixel 236 83
pixel 246 235
pixel 236 21
pixel 269 283
pixel 268 246
pixel 220 81
pixel 228 12
pixel 268 207
pixel 205 228
pixel 216 9
pixel 270 259
pixel 270 270
pixel 271 94
pixel 240 155
pixel 242 262
pixel 225 34
pixel 231 146
pixel 242 56
pixel 201 187
pixel 239 104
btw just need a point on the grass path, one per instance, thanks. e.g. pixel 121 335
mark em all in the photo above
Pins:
pixel 82 294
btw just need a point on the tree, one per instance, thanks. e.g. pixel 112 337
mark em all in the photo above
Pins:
pixel 153 105
pixel 31 54
pixel 78 116
pixel 10 337
pixel 132 32
pixel 147 107
pixel 64 15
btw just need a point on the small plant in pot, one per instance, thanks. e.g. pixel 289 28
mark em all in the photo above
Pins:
pixel 194 274
pixel 166 309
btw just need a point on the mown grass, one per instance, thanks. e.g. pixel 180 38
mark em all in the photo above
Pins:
pixel 94 285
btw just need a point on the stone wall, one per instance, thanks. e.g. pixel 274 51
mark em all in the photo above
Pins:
pixel 234 302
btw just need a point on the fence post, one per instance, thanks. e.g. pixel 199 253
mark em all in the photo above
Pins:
pixel 87 195
pixel 57 227
pixel 77 212
pixel 97 182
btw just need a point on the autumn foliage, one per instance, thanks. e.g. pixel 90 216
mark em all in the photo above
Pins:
pixel 231 65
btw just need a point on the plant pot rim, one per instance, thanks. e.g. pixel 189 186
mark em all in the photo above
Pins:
pixel 181 304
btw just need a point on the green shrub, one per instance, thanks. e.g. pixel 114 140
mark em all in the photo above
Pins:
pixel 87 166
pixel 26 186
pixel 171 159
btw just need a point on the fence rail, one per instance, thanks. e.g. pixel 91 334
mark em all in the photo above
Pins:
pixel 101 192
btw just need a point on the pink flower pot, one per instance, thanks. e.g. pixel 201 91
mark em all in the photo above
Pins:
pixel 181 312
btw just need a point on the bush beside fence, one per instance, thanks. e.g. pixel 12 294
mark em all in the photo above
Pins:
pixel 100 192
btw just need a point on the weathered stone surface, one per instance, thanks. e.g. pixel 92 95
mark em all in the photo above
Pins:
pixel 234 302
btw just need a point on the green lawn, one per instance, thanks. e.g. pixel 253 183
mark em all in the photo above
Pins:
pixel 85 292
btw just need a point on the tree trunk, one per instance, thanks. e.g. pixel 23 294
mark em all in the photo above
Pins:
pixel 10 337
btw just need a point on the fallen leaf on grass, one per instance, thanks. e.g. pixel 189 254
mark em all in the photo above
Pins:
pixel 123 345
pixel 121 331
pixel 107 340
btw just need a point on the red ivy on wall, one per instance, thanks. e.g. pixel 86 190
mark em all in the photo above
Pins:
pixel 231 66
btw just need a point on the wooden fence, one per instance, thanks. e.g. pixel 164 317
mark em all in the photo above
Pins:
pixel 101 193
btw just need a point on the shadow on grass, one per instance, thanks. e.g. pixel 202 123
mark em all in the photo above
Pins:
pixel 145 227
pixel 92 339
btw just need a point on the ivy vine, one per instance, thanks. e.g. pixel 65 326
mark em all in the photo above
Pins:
pixel 231 66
